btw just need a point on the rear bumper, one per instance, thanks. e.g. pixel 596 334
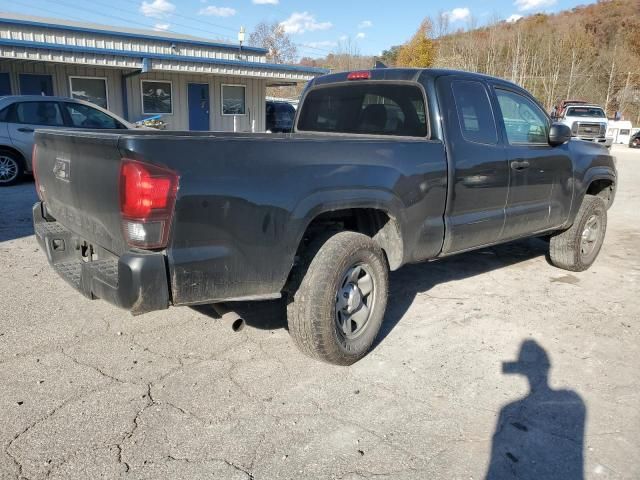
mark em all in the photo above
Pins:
pixel 135 281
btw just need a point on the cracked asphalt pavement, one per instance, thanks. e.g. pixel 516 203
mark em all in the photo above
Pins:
pixel 88 391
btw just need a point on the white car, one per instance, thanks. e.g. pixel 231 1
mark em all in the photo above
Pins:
pixel 21 115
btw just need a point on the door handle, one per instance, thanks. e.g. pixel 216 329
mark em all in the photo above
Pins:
pixel 25 129
pixel 520 164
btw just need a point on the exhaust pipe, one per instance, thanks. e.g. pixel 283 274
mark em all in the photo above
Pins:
pixel 229 317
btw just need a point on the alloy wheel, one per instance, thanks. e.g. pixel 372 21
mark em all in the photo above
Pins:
pixel 354 301
pixel 8 169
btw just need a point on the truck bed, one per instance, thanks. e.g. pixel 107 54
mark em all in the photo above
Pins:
pixel 244 200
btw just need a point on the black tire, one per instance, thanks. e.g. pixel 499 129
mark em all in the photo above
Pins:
pixel 577 248
pixel 11 168
pixel 318 312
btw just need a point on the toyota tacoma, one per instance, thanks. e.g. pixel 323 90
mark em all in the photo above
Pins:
pixel 383 168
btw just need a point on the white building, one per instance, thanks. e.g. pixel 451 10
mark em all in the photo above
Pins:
pixel 193 83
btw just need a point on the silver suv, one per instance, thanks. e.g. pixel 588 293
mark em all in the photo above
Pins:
pixel 21 115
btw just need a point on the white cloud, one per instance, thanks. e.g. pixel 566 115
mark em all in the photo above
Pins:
pixel 525 5
pixel 513 18
pixel 365 24
pixel 303 22
pixel 360 35
pixel 212 11
pixel 343 38
pixel 460 13
pixel 322 44
pixel 266 2
pixel 161 27
pixel 157 8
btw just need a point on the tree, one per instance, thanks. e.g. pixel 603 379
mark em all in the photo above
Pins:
pixel 420 51
pixel 273 37
pixel 390 56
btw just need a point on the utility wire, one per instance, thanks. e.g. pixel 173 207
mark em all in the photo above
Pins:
pixel 188 27
pixel 234 30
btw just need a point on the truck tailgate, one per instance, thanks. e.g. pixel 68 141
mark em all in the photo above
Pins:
pixel 78 176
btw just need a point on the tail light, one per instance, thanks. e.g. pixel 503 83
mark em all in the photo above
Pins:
pixel 147 201
pixel 34 169
pixel 363 75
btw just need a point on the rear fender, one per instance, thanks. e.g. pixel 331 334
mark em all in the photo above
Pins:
pixel 325 201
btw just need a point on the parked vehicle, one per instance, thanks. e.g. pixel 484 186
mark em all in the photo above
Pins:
pixel 634 141
pixel 384 168
pixel 280 117
pixel 559 109
pixel 587 122
pixel 20 115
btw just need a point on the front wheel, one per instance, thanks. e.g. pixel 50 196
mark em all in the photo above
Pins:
pixel 576 249
pixel 338 307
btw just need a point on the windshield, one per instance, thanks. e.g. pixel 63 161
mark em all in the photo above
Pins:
pixel 365 108
pixel 585 112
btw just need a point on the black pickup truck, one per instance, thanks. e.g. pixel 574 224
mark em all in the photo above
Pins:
pixel 384 167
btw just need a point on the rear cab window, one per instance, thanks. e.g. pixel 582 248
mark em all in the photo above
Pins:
pixel 367 108
pixel 475 114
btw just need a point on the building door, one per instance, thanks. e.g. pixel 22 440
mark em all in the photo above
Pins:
pixel 5 84
pixel 198 106
pixel 31 84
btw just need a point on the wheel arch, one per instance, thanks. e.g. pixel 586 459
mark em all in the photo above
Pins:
pixel 375 213
pixel 598 181
pixel 21 156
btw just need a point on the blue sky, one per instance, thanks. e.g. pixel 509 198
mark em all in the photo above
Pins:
pixel 316 27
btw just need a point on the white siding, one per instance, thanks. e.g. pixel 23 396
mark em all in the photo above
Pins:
pixel 60 74
pixel 179 120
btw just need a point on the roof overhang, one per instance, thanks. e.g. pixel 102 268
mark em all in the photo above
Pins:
pixel 100 57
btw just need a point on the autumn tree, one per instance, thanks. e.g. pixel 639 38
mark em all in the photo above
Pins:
pixel 272 36
pixel 420 51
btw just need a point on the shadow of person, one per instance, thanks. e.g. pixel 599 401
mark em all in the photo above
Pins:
pixel 540 436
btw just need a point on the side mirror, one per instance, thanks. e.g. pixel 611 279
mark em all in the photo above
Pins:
pixel 559 133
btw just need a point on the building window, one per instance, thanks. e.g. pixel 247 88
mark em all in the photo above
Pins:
pixel 90 89
pixel 156 97
pixel 233 100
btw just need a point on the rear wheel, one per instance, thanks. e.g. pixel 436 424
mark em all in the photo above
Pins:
pixel 338 307
pixel 576 249
pixel 11 168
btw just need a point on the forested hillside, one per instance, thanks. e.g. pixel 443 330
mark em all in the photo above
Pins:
pixel 590 52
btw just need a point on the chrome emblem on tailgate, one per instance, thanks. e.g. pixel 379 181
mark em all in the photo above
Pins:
pixel 62 169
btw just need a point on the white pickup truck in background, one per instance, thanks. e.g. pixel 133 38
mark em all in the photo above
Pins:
pixel 587 122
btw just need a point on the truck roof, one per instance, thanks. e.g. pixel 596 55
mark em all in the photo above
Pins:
pixel 585 105
pixel 406 74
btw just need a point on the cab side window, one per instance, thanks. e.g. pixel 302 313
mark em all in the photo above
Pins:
pixel 524 122
pixel 474 112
